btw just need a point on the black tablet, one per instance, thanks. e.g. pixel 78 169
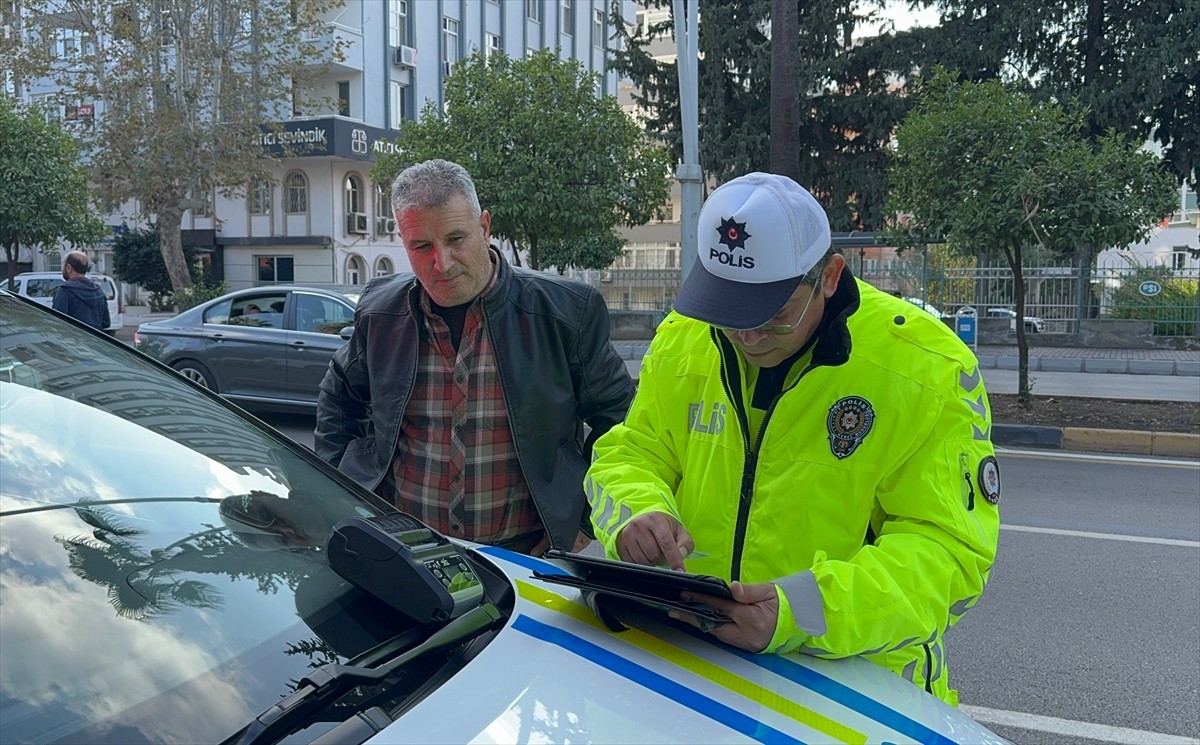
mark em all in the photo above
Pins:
pixel 653 581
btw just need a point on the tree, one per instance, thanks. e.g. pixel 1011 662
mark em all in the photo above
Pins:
pixel 985 166
pixel 847 108
pixel 557 166
pixel 43 188
pixel 785 91
pixel 1134 67
pixel 137 259
pixel 169 97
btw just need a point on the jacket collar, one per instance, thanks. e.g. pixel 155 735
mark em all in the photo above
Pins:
pixel 833 336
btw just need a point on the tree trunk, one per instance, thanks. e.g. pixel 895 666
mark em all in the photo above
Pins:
pixel 170 242
pixel 1024 394
pixel 533 252
pixel 785 88
pixel 11 252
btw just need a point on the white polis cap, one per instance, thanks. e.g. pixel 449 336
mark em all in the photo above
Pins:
pixel 758 235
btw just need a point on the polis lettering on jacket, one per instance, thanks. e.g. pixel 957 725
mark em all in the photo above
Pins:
pixel 727 257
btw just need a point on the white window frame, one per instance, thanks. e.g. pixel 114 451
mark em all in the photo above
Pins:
pixel 258 197
pixel 398 103
pixel 384 266
pixel 398 23
pixel 295 194
pixel 491 45
pixel 352 191
pixel 356 270
pixel 450 48
pixel 598 28
pixel 383 206
pixel 566 17
pixel 533 10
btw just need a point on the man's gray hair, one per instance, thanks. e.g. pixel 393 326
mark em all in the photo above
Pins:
pixel 432 184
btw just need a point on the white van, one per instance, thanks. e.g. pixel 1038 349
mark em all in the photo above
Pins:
pixel 41 286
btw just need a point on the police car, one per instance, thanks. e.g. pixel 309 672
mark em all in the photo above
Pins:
pixel 174 570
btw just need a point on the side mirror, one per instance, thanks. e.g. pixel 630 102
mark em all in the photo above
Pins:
pixel 346 332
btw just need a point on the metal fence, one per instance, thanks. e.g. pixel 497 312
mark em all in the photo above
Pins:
pixel 1060 294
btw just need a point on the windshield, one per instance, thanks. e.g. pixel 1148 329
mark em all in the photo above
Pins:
pixel 162 576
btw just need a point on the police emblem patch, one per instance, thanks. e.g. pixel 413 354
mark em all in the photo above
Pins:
pixel 989 479
pixel 849 422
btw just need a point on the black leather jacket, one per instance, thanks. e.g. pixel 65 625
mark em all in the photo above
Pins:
pixel 556 366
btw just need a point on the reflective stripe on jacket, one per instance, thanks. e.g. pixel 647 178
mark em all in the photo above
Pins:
pixel 863 502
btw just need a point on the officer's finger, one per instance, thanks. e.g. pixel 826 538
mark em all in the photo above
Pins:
pixel 669 549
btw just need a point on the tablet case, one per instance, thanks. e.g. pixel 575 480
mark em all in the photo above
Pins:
pixel 612 587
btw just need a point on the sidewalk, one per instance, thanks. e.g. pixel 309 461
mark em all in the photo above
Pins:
pixel 1183 362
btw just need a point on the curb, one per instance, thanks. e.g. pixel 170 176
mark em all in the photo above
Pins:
pixel 1129 442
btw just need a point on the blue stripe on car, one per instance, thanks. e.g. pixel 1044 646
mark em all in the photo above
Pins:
pixel 653 681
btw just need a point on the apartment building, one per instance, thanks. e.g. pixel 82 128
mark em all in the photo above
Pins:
pixel 320 218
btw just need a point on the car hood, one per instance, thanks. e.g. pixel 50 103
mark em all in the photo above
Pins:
pixel 556 674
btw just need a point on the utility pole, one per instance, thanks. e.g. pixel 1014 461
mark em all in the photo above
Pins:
pixel 688 173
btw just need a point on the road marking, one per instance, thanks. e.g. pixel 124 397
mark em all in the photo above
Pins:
pixel 1096 458
pixel 1104 536
pixel 1086 730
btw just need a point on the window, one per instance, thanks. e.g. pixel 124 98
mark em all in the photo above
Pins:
pixel 492 47
pixel 261 311
pixel 533 10
pixel 1179 257
pixel 383 208
pixel 449 44
pixel 598 28
pixel 275 270
pixel 384 267
pixel 398 22
pixel 68 43
pixel 321 315
pixel 343 101
pixel 203 194
pixel 295 193
pixel 259 197
pixel 354 200
pixel 398 103
pixel 566 17
pixel 356 271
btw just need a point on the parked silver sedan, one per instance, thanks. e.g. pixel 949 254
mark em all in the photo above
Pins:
pixel 263 346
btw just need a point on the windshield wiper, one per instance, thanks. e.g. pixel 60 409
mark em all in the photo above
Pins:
pixel 329 682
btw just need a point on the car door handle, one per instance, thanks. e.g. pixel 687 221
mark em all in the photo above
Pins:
pixel 216 337
pixel 298 344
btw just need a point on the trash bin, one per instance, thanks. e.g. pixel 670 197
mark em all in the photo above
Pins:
pixel 967 328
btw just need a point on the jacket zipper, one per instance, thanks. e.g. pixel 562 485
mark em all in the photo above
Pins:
pixel 928 668
pixel 749 454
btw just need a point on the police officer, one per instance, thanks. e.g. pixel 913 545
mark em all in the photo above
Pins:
pixel 820 443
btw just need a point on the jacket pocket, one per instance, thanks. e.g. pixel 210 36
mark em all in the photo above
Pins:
pixel 360 462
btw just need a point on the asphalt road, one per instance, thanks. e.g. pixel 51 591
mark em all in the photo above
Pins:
pixel 1096 620
pixel 1091 621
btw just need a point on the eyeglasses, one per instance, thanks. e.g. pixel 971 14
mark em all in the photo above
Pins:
pixel 779 329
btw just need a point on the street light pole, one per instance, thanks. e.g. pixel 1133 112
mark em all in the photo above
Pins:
pixel 688 173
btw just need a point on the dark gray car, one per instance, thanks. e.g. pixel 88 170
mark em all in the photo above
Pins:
pixel 263 346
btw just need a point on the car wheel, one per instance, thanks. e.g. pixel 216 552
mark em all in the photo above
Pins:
pixel 1030 328
pixel 197 373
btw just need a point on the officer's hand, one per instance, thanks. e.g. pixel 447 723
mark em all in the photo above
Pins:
pixel 655 538
pixel 754 610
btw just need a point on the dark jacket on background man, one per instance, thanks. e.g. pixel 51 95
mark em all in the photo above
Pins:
pixel 82 299
pixel 539 362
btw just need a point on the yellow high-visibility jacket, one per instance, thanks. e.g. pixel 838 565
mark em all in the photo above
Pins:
pixel 870 500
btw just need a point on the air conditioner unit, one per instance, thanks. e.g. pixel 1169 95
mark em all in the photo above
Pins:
pixel 385 226
pixel 356 222
pixel 606 275
pixel 405 57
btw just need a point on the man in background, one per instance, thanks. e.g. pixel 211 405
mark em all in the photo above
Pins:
pixel 79 297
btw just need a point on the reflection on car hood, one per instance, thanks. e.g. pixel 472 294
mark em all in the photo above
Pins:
pixel 556 674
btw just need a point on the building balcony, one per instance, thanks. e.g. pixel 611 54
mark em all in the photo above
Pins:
pixel 340 47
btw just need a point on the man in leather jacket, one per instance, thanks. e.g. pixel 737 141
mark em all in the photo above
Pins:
pixel 462 394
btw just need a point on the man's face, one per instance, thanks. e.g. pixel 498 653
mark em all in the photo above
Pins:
pixel 448 249
pixel 762 349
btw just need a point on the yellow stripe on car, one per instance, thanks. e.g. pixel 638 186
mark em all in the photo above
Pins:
pixel 698 666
